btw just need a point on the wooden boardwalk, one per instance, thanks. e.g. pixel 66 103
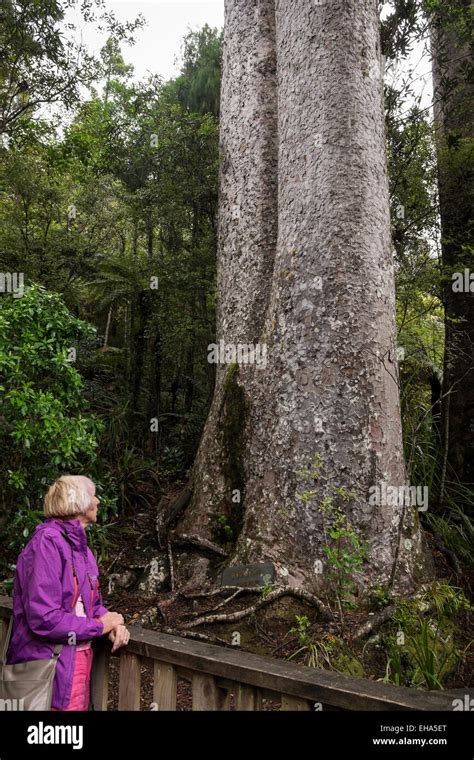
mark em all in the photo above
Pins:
pixel 224 679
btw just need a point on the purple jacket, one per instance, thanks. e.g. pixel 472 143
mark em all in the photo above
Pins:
pixel 45 592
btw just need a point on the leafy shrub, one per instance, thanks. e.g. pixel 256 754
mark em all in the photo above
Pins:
pixel 422 651
pixel 45 429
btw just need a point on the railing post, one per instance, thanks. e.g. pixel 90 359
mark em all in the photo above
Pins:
pixel 289 702
pixel 208 696
pixel 247 697
pixel 4 623
pixel 129 682
pixel 100 676
pixel 165 684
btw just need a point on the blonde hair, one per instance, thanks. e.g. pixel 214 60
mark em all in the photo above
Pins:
pixel 69 495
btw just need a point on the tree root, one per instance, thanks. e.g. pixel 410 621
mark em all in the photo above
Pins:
pixel 165 519
pixel 222 590
pixel 170 560
pixel 448 553
pixel 218 606
pixel 271 597
pixel 116 559
pixel 374 622
pixel 185 539
pixel 196 635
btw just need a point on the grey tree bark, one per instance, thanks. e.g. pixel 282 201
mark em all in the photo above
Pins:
pixel 305 269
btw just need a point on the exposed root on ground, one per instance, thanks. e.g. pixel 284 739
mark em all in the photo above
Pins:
pixel 186 539
pixel 231 617
pixel 167 517
pixel 374 622
pixel 222 590
pixel 197 636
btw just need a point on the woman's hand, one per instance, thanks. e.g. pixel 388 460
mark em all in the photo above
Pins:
pixel 111 620
pixel 119 637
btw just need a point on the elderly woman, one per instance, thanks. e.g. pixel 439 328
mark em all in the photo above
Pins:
pixel 56 595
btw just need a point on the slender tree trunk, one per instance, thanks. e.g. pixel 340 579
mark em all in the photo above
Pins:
pixel 138 347
pixel 149 234
pixel 307 273
pixel 189 381
pixel 154 387
pixel 453 110
pixel 135 239
pixel 436 391
pixel 107 327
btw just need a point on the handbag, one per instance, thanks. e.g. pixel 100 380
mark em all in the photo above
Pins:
pixel 27 685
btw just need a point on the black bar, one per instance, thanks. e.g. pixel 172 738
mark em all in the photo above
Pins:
pixel 141 734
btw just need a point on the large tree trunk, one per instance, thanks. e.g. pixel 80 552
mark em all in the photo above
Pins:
pixel 453 97
pixel 303 153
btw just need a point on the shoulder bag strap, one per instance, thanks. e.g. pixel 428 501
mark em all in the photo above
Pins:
pixel 6 643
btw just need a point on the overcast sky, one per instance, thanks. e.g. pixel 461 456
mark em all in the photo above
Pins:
pixel 158 44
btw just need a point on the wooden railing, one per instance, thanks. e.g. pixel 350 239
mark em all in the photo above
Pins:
pixel 224 679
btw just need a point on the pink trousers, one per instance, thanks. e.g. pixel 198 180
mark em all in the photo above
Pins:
pixel 80 682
